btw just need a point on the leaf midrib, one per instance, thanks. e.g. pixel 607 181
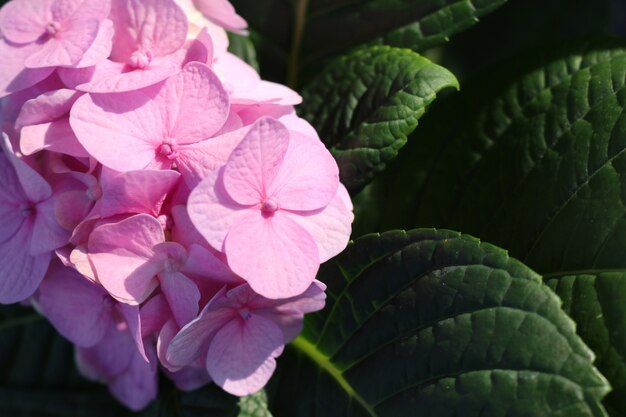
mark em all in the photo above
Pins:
pixel 310 350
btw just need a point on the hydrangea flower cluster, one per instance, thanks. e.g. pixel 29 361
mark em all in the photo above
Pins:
pixel 161 205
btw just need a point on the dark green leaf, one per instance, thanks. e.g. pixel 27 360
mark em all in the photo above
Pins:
pixel 365 104
pixel 540 169
pixel 332 27
pixel 38 378
pixel 434 323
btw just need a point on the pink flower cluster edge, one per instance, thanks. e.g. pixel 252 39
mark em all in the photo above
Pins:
pixel 162 205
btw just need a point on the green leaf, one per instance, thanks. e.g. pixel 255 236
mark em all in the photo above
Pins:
pixel 254 405
pixel 38 378
pixel 595 300
pixel 243 47
pixel 435 323
pixel 539 168
pixel 317 29
pixel 365 104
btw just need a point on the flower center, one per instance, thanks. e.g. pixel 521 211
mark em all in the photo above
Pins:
pixel 167 150
pixel 94 193
pixel 245 314
pixel 140 59
pixel 27 209
pixel 53 28
pixel 269 206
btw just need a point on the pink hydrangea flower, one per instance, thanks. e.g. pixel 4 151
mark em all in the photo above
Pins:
pixel 29 231
pixel 154 127
pixel 276 209
pixel 241 333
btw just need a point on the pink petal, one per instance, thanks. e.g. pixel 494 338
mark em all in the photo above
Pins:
pixel 132 316
pixel 108 358
pixel 193 340
pixel 34 186
pixel 200 49
pixel 197 160
pixel 167 333
pixel 137 386
pixel 135 191
pixel 202 262
pixel 101 47
pixel 223 13
pixel 79 309
pixel 195 104
pixel 155 26
pixel 308 177
pixel 47 107
pixel 275 255
pixel 212 211
pixel 48 234
pixel 182 295
pixel 255 162
pixel 68 47
pixel 20 273
pixel 189 378
pixel 114 77
pixel 120 253
pixel 80 9
pixel 14 75
pixel 330 226
pixel 130 122
pixel 24 21
pixel 183 231
pixel 154 314
pixel 241 355
pixel 72 207
pixel 56 136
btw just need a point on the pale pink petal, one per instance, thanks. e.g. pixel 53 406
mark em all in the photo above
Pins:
pixel 267 92
pixel 200 49
pixel 213 212
pixel 255 162
pixel 297 124
pixel 80 9
pixel 114 77
pixel 130 123
pixel 241 355
pixel 135 191
pixel 47 107
pixel 68 47
pixel 201 262
pixel 72 207
pixel 48 234
pixel 195 104
pixel 24 21
pixel 100 49
pixel 56 136
pixel 34 186
pixel 20 272
pixel 193 340
pixel 14 75
pixel 182 296
pixel 79 309
pixel 308 177
pixel 275 255
pixel 80 261
pixel 223 13
pixel 155 26
pixel 183 231
pixel 330 226
pixel 120 253
pixel 197 160
pixel 250 113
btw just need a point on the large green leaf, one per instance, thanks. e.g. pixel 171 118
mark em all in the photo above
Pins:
pixel 38 379
pixel 538 168
pixel 365 104
pixel 435 323
pixel 317 29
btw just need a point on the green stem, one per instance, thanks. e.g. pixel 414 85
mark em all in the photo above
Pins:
pixel 298 31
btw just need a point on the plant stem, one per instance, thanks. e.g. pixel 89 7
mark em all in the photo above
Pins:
pixel 298 30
